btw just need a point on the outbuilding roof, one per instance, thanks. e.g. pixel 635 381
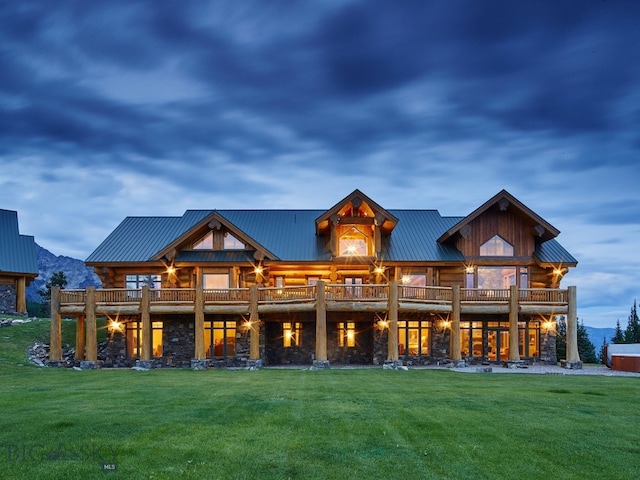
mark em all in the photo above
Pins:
pixel 17 252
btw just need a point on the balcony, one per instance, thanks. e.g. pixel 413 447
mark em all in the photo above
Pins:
pixel 338 297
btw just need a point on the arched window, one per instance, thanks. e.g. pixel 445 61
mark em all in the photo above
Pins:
pixel 496 246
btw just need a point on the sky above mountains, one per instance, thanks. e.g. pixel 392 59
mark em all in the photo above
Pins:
pixel 110 109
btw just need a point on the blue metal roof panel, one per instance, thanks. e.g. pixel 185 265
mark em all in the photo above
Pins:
pixel 554 253
pixel 137 239
pixel 17 252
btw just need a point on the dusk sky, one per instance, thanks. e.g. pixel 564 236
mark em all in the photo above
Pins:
pixel 114 108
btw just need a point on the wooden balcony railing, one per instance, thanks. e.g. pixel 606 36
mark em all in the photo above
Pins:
pixel 301 294
pixel 373 296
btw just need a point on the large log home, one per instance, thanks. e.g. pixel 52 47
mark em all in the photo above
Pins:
pixel 354 284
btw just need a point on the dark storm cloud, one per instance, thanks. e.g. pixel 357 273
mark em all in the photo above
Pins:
pixel 147 107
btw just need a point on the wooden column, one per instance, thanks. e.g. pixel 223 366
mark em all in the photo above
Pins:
pixel 454 343
pixel 254 320
pixel 21 295
pixel 198 330
pixel 572 326
pixel 55 343
pixel 145 315
pixel 514 350
pixel 80 338
pixel 321 323
pixel 91 330
pixel 392 338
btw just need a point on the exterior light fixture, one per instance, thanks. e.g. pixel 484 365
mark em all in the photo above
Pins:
pixel 171 270
pixel 115 326
pixel 379 270
pixel 469 269
pixel 258 270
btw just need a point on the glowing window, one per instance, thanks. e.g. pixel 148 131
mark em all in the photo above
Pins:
pixel 215 280
pixel 135 339
pixel 496 277
pixel 414 338
pixel 220 338
pixel 137 281
pixel 232 243
pixel 414 280
pixel 496 246
pixel 292 334
pixel 353 243
pixel 205 243
pixel 346 334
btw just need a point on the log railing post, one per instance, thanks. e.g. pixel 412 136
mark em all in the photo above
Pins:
pixel 145 315
pixel 455 352
pixel 55 344
pixel 21 295
pixel 573 356
pixel 91 330
pixel 80 338
pixel 321 324
pixel 199 353
pixel 392 308
pixel 254 325
pixel 514 338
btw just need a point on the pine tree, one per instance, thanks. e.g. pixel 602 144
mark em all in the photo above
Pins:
pixel 618 336
pixel 602 358
pixel 586 349
pixel 632 333
pixel 561 338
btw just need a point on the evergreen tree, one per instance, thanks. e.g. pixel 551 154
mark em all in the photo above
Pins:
pixel 632 333
pixel 586 349
pixel 57 279
pixel 561 338
pixel 618 336
pixel 603 350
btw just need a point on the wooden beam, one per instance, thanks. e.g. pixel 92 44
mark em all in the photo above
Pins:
pixel 392 308
pixel 572 327
pixel 80 339
pixel 91 330
pixel 145 355
pixel 254 320
pixel 199 353
pixel 455 352
pixel 55 344
pixel 21 295
pixel 514 352
pixel 321 323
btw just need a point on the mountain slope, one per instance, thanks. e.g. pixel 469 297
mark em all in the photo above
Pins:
pixel 78 275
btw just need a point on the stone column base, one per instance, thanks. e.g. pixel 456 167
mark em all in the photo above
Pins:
pixel 254 364
pixel 457 364
pixel 199 364
pixel 320 364
pixel 88 365
pixel 513 364
pixel 394 365
pixel 143 365
pixel 571 364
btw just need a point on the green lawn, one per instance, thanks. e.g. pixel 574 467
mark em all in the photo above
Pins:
pixel 334 424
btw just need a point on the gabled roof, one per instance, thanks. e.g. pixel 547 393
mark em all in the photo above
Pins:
pixel 291 236
pixel 381 216
pixel 505 200
pixel 215 220
pixel 17 252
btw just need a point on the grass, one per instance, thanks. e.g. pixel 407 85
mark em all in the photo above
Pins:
pixel 334 424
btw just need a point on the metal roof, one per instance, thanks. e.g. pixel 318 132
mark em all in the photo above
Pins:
pixel 553 253
pixel 17 252
pixel 291 236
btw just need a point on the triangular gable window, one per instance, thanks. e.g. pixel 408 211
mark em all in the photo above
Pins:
pixel 496 246
pixel 232 243
pixel 205 243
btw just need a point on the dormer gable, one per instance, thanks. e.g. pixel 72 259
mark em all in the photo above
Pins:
pixel 214 232
pixel 504 202
pixel 356 225
pixel 356 208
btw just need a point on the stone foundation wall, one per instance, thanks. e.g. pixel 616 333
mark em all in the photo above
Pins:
pixel 7 299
